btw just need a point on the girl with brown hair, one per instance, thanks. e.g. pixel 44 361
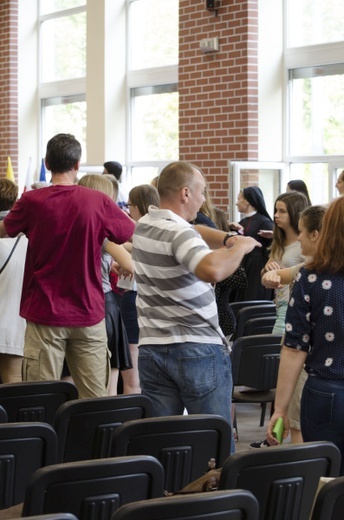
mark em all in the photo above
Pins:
pixel 314 338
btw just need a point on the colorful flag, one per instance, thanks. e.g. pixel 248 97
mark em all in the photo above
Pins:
pixel 29 179
pixel 42 174
pixel 9 172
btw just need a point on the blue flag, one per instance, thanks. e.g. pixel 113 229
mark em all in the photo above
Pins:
pixel 42 174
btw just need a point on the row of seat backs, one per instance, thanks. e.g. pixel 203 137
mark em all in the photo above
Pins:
pixel 254 317
pixel 236 504
pixel 95 428
pixel 255 362
pixel 82 430
pixel 283 481
pixel 184 445
pixel 85 428
pixel 281 474
pixel 221 505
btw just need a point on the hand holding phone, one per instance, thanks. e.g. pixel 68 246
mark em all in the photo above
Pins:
pixel 278 430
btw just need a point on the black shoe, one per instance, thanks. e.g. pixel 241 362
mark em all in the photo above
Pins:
pixel 260 444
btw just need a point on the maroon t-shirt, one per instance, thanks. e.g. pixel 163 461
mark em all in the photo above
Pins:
pixel 66 227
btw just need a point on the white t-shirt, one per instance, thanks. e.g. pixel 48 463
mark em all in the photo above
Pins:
pixel 12 326
pixel 291 256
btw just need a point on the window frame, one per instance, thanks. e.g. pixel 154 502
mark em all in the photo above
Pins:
pixel 56 89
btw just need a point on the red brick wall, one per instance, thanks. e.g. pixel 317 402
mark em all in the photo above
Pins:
pixel 8 85
pixel 218 114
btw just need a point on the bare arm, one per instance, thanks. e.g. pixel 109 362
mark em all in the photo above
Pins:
pixel 122 257
pixel 266 233
pixel 128 246
pixel 290 367
pixel 220 264
pixel 214 237
pixel 3 232
pixel 278 277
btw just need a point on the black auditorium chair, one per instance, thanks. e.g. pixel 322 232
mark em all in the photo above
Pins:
pixel 184 444
pixel 218 505
pixel 255 363
pixel 93 489
pixel 85 427
pixel 284 479
pixel 24 448
pixel 35 401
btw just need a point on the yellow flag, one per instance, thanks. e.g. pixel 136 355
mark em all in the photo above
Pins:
pixel 9 173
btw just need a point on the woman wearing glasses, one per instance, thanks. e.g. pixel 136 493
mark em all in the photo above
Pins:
pixel 140 198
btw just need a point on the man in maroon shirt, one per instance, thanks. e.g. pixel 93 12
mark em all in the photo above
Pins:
pixel 62 298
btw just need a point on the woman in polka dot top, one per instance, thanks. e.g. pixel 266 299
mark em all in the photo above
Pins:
pixel 314 337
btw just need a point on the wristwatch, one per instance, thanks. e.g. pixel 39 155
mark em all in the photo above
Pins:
pixel 227 236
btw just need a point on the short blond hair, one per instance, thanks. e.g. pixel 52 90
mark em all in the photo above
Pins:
pixel 97 182
pixel 174 177
pixel 114 182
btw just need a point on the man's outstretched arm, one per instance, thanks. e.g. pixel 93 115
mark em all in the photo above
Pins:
pixel 221 263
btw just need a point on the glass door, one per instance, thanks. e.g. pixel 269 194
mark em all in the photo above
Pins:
pixel 271 177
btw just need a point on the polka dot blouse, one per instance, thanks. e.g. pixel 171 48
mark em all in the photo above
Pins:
pixel 315 322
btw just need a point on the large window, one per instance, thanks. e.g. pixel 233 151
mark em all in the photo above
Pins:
pixel 315 21
pixel 64 58
pixel 317 110
pixel 314 60
pixel 153 34
pixel 67 115
pixel 155 123
pixel 152 76
pixel 63 69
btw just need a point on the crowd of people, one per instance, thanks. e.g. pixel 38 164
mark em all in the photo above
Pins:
pixel 130 291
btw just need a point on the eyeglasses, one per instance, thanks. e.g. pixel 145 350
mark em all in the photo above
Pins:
pixel 128 205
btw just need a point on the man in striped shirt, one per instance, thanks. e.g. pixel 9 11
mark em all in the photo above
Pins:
pixel 184 359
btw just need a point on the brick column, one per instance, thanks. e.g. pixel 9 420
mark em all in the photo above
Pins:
pixel 8 85
pixel 218 114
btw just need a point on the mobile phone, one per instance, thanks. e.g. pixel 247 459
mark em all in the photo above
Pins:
pixel 278 430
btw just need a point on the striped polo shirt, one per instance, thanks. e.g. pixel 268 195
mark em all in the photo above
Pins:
pixel 174 306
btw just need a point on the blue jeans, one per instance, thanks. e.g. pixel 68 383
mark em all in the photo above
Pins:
pixel 322 417
pixel 194 376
